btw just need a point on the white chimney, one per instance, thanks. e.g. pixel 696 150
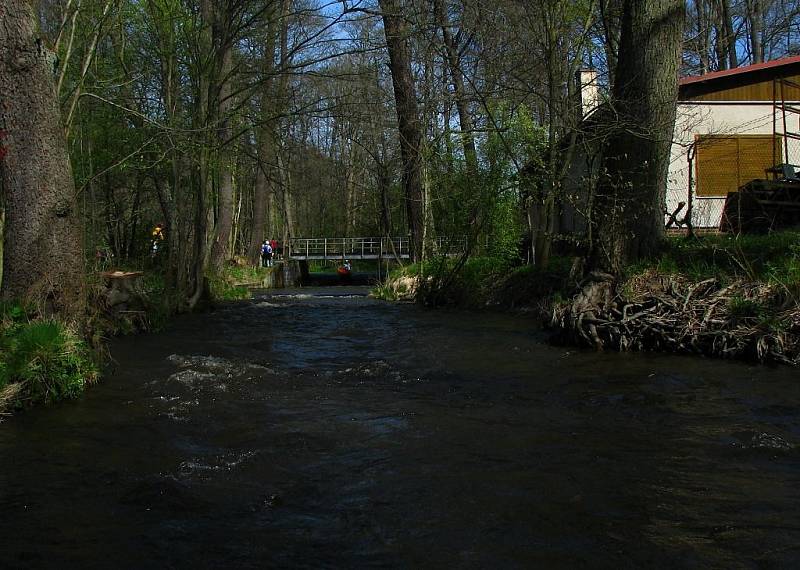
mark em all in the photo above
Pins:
pixel 589 91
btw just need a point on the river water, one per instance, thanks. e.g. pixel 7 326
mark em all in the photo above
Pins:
pixel 319 428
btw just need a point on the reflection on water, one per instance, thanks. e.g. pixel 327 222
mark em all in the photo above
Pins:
pixel 322 428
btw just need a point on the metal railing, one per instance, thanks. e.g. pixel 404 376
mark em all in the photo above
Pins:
pixel 365 247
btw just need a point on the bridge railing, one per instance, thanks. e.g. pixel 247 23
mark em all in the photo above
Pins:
pixel 366 247
pixel 356 248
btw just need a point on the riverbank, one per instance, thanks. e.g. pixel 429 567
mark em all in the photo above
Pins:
pixel 720 296
pixel 44 360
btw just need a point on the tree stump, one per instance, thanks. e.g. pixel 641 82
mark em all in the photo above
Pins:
pixel 120 288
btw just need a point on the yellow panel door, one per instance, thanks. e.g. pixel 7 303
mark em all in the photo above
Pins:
pixel 717 165
pixel 756 154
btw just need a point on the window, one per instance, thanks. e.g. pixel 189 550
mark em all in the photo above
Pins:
pixel 726 162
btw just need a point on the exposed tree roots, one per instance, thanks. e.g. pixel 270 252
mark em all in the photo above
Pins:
pixel 752 321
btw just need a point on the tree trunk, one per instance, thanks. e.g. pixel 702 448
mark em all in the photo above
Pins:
pixel 285 174
pixel 260 192
pixel 456 74
pixel 730 35
pixel 221 251
pixel 610 16
pixel 43 252
pixel 202 221
pixel 265 137
pixel 701 9
pixel 630 197
pixel 395 30
pixel 754 17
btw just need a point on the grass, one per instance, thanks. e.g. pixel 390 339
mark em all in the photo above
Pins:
pixel 246 274
pixel 222 289
pixel 41 360
pixel 772 258
pixel 233 283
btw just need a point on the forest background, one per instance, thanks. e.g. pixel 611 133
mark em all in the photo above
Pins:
pixel 235 121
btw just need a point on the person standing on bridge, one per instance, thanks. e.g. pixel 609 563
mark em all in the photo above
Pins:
pixel 274 245
pixel 266 254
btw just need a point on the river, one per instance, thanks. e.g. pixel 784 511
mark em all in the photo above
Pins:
pixel 317 428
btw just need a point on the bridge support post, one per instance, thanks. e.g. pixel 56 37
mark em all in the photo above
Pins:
pixel 303 270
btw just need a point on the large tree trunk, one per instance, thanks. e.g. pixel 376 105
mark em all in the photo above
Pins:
pixel 395 30
pixel 630 197
pixel 42 256
pixel 265 137
pixel 725 40
pixel 222 251
pixel 202 223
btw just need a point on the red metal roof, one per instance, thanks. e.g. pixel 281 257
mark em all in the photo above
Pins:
pixel 740 70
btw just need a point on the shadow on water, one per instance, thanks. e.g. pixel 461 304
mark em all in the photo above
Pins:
pixel 317 428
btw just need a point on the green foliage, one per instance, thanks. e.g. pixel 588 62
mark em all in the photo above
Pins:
pixel 518 143
pixel 12 315
pixel 43 360
pixel 487 205
pixel 505 229
pixel 458 281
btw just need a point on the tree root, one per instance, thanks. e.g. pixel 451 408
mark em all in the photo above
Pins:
pixel 742 320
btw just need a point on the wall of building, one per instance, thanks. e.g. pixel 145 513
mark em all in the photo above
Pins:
pixel 720 119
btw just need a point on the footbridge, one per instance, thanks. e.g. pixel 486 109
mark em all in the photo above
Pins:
pixel 304 249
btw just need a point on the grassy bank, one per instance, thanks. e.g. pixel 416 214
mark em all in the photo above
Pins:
pixel 477 283
pixel 41 360
pixel 724 296
pixel 767 259
pixel 235 282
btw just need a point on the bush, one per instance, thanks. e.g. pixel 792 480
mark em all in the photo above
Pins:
pixel 40 360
